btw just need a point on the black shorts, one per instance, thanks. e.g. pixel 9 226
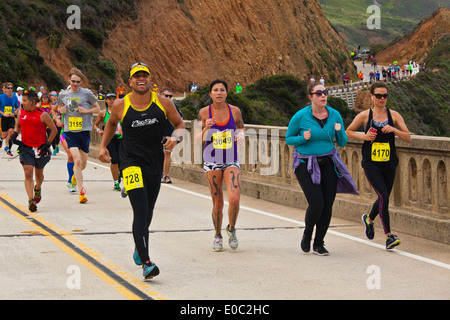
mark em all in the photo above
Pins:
pixel 113 149
pixel 28 157
pixel 8 123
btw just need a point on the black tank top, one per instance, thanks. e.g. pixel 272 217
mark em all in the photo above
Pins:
pixel 143 131
pixel 368 150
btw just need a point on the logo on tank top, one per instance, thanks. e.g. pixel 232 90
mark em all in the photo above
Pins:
pixel 143 123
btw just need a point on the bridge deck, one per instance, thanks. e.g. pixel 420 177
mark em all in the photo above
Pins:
pixel 68 250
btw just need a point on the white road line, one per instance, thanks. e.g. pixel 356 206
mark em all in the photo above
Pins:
pixel 339 234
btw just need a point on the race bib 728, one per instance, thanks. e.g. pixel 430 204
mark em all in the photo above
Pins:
pixel 132 178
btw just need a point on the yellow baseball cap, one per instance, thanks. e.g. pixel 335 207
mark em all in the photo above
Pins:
pixel 139 66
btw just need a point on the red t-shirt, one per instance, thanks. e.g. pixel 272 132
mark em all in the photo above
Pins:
pixel 33 130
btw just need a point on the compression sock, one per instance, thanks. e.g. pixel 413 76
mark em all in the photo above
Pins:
pixel 70 170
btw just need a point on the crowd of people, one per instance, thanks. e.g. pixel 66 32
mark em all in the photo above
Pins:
pixel 140 129
pixel 395 71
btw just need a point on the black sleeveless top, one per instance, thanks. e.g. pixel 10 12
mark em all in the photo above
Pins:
pixel 368 149
pixel 143 132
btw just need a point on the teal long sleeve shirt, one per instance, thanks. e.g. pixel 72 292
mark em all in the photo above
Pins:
pixel 322 139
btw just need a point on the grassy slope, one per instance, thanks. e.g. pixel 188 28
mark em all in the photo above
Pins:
pixel 22 21
pixel 397 18
pixel 424 100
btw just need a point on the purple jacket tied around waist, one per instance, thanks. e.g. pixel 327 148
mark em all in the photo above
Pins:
pixel 345 182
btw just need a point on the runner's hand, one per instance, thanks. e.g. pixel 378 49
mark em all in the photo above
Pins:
pixel 15 140
pixel 169 143
pixel 103 155
pixel 43 149
pixel 307 134
pixel 209 123
pixel 239 138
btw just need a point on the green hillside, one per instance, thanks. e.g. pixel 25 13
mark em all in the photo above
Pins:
pixel 270 101
pixel 424 101
pixel 398 17
pixel 23 21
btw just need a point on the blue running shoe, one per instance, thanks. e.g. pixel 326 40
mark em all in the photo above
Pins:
pixel 136 258
pixel 149 270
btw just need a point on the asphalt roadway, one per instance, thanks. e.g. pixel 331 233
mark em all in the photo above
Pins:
pixel 72 251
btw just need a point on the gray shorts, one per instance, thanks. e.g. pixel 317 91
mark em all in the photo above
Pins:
pixel 210 166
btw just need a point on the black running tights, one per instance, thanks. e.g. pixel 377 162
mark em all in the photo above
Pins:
pixel 382 183
pixel 143 202
pixel 320 199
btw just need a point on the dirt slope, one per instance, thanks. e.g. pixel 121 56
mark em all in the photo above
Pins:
pixel 237 40
pixel 416 45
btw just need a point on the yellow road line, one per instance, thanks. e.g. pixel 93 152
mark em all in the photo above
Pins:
pixel 128 285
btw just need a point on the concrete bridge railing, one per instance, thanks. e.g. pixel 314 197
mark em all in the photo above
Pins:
pixel 420 200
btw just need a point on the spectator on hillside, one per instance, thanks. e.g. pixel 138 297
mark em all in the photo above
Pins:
pixel 238 88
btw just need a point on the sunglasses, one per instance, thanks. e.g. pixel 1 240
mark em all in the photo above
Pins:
pixel 320 92
pixel 75 81
pixel 168 95
pixel 9 88
pixel 379 96
pixel 139 64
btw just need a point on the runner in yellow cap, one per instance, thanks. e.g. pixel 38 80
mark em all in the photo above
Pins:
pixel 142 114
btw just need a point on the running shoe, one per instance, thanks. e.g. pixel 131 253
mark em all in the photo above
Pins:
pixel 232 239
pixel 369 229
pixel 149 270
pixel 6 148
pixel 37 195
pixel 305 244
pixel 392 241
pixel 57 149
pixel 32 205
pixel 217 244
pixel 74 181
pixel 83 198
pixel 117 186
pixel 124 193
pixel 71 187
pixel 166 179
pixel 136 258
pixel 9 153
pixel 320 250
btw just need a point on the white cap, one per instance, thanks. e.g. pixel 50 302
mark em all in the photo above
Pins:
pixel 19 88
